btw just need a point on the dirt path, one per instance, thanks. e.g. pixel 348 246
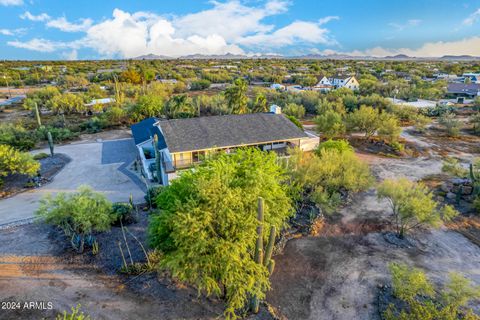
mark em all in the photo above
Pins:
pixel 336 274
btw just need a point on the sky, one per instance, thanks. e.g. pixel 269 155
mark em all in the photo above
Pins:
pixel 104 29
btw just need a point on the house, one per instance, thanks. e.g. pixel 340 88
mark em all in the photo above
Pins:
pixel 323 84
pixel 97 102
pixel 473 77
pixel 419 103
pixel 185 142
pixel 468 90
pixel 277 86
pixel 349 82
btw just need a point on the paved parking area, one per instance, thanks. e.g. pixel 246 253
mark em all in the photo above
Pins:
pixel 101 165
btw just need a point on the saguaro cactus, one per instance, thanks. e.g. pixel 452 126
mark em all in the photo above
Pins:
pixel 50 142
pixel 263 256
pixel 37 115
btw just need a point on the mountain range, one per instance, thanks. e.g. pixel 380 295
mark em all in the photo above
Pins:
pixel 230 56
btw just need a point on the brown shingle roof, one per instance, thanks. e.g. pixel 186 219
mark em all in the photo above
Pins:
pixel 227 130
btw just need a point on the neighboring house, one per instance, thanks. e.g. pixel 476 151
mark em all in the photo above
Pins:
pixel 474 77
pixel 277 86
pixel 349 82
pixel 323 84
pixel 185 142
pixel 420 103
pixel 103 101
pixel 168 81
pixel 294 88
pixel 469 90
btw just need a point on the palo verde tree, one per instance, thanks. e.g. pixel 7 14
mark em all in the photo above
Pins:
pixel 78 214
pixel 412 205
pixel 206 227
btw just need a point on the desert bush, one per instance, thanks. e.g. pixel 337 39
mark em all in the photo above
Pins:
pixel 365 119
pixel 75 314
pixel 420 122
pixel 450 123
pixel 412 205
pixel 419 299
pixel 40 156
pixel 78 214
pixel 58 134
pixel 94 124
pixel 325 176
pixel 16 136
pixel 152 194
pixel 338 145
pixel 201 84
pixel 123 212
pixel 453 167
pixel 14 161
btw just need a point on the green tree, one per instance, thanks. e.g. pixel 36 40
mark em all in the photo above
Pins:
pixel 67 103
pixel 412 205
pixel 338 145
pixel 179 106
pixel 147 106
pixel 330 124
pixel 365 119
pixel 388 128
pixel 260 104
pixel 236 96
pixel 13 161
pixel 207 223
pixel 293 109
pixel 78 214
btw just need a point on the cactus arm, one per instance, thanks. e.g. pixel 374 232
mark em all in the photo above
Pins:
pixel 50 142
pixel 270 244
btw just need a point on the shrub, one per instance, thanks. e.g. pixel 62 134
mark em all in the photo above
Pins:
pixel 324 176
pixel 450 123
pixel 78 214
pixel 419 298
pixel 76 314
pixel 201 84
pixel 40 156
pixel 58 134
pixel 152 194
pixel 16 136
pixel 94 125
pixel 14 161
pixel 123 212
pixel 338 145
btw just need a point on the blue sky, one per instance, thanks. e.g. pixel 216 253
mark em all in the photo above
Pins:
pixel 36 29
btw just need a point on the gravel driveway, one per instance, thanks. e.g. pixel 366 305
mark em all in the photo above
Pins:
pixel 101 165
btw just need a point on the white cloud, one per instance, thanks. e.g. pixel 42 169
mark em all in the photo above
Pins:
pixel 12 32
pixel 467 46
pixel 11 2
pixel 472 18
pixel 28 16
pixel 226 27
pixel 44 45
pixel 407 24
pixel 65 26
